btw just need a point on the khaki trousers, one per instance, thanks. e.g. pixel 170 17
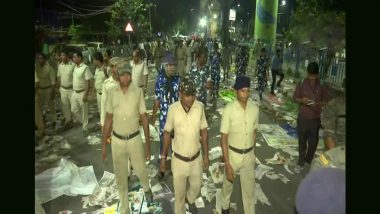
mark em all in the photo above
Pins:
pixel 245 164
pixel 122 152
pixel 99 102
pixel 66 103
pixel 183 172
pixel 38 119
pixel 80 109
pixel 44 97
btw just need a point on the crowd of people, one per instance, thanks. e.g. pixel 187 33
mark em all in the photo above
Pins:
pixel 187 76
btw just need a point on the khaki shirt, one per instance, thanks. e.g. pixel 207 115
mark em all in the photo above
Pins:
pixel 35 77
pixel 45 74
pixel 240 124
pixel 108 85
pixel 100 77
pixel 138 72
pixel 333 119
pixel 65 73
pixel 126 109
pixel 186 127
pixel 180 53
pixel 81 74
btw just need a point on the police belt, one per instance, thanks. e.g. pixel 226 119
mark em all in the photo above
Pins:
pixel 241 151
pixel 79 91
pixel 67 88
pixel 46 87
pixel 128 137
pixel 187 159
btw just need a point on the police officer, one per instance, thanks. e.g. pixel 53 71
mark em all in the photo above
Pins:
pixel 125 107
pixel 108 84
pixel 101 74
pixel 140 70
pixel 180 56
pixel 65 84
pixel 238 129
pixel 81 84
pixel 201 75
pixel 46 77
pixel 187 118
pixel 166 91
pixel 39 121
pixel 333 120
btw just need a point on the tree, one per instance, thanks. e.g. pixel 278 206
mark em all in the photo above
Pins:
pixel 322 22
pixel 135 12
pixel 78 33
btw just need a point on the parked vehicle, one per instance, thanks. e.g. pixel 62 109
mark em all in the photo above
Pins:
pixel 96 46
pixel 82 47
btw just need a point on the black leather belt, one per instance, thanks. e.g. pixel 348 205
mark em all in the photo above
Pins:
pixel 126 137
pixel 67 88
pixel 79 91
pixel 240 151
pixel 187 159
pixel 46 87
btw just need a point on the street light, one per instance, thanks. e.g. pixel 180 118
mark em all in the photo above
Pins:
pixel 203 22
pixel 238 5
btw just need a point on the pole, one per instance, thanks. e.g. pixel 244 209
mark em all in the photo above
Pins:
pixel 150 21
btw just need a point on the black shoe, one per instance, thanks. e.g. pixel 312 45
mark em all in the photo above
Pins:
pixel 227 211
pixel 149 196
pixel 272 93
pixel 193 209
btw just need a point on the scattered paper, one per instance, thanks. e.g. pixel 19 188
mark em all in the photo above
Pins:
pixel 217 172
pixel 260 196
pixel 215 153
pixel 94 140
pixel 199 203
pixel 66 179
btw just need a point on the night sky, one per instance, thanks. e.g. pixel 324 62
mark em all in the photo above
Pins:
pixel 164 15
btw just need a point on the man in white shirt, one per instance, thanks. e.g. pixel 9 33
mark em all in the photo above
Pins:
pixel 139 70
pixel 81 84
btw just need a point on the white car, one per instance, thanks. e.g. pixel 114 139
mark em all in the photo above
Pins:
pixel 96 46
pixel 85 51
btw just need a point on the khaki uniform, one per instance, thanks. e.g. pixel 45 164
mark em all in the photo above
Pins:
pixel 186 143
pixel 37 112
pixel 333 120
pixel 107 87
pixel 158 56
pixel 100 77
pixel 65 73
pixel 240 124
pixel 180 57
pixel 46 76
pixel 126 110
pixel 79 108
pixel 138 73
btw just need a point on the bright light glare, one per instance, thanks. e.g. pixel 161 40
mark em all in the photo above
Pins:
pixel 215 16
pixel 203 22
pixel 283 2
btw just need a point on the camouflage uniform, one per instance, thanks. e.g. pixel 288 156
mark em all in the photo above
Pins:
pixel 200 78
pixel 242 62
pixel 262 64
pixel 166 96
pixel 215 60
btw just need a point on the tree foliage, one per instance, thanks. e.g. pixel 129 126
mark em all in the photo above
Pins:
pixel 78 33
pixel 322 22
pixel 135 12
